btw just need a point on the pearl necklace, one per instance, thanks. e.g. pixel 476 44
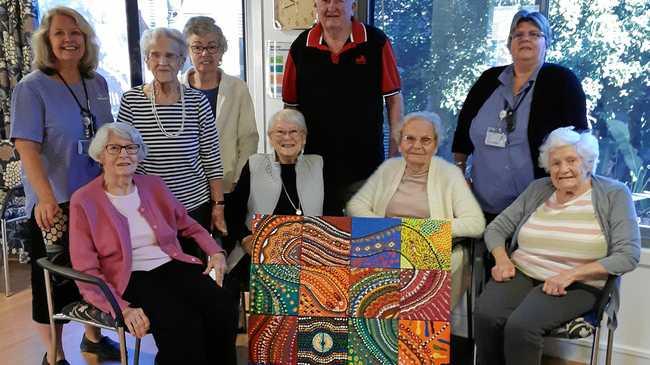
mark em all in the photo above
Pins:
pixel 152 99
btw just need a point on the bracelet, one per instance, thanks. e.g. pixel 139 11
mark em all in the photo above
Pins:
pixel 218 202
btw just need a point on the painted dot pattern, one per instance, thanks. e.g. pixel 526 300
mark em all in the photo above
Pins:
pixel 342 290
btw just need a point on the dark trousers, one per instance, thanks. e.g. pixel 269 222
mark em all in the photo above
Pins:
pixel 64 291
pixel 203 215
pixel 237 280
pixel 191 317
pixel 512 317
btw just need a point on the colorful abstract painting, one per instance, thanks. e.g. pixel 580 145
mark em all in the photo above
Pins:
pixel 424 343
pixel 274 289
pixel 374 293
pixel 426 244
pixel 372 341
pixel 322 341
pixel 375 242
pixel 342 290
pixel 425 294
pixel 324 291
pixel 325 241
pixel 272 340
pixel 277 239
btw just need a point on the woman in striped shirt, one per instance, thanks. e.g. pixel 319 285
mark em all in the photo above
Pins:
pixel 568 233
pixel 178 127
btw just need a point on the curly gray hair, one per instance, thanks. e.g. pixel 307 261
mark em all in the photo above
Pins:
pixel 586 146
pixel 150 36
pixel 202 25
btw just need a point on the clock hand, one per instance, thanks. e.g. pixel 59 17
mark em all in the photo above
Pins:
pixel 291 3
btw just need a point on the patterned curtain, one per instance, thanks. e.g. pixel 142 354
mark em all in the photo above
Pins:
pixel 17 21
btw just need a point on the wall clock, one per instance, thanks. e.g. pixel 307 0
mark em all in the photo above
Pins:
pixel 294 14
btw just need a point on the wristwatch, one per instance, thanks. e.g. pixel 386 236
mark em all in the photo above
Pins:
pixel 218 202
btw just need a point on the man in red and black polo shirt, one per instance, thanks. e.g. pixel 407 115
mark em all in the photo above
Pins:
pixel 338 74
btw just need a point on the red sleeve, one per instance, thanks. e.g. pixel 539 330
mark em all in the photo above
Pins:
pixel 390 81
pixel 289 92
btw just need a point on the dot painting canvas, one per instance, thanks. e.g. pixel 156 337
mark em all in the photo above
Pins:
pixel 347 290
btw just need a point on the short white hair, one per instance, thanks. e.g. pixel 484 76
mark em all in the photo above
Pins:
pixel 122 130
pixel 289 115
pixel 429 117
pixel 150 36
pixel 586 146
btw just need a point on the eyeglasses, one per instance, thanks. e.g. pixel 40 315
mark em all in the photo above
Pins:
pixel 157 57
pixel 424 141
pixel 116 149
pixel 279 133
pixel 212 49
pixel 532 34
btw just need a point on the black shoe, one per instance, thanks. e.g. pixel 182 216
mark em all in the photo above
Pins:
pixel 60 362
pixel 106 349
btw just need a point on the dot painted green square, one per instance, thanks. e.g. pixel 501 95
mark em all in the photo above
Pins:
pixel 274 289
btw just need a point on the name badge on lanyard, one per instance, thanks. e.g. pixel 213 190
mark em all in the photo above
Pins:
pixel 87 117
pixel 496 137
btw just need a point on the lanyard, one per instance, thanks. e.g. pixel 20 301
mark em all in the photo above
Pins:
pixel 518 103
pixel 87 117
pixel 508 114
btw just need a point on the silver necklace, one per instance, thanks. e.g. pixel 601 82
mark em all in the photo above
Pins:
pixel 298 208
pixel 152 99
pixel 269 170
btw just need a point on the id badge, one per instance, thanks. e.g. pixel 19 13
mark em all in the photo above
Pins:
pixel 82 146
pixel 495 137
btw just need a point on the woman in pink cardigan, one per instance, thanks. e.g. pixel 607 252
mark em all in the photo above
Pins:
pixel 124 229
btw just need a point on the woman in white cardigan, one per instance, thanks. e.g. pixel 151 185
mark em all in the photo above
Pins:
pixel 229 98
pixel 421 185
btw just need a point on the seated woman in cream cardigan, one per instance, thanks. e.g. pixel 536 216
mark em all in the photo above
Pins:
pixel 422 185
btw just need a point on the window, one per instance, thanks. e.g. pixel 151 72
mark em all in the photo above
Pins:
pixel 442 47
pixel 108 19
pixel 228 15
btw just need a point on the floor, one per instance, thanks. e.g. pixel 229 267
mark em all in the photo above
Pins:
pixel 19 344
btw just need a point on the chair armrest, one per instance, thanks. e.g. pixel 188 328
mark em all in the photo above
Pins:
pixel 608 289
pixel 71 274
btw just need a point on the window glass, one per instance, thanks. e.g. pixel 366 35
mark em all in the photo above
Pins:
pixel 108 19
pixel 607 47
pixel 228 15
pixel 443 46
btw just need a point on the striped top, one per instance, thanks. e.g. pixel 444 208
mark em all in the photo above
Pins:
pixel 560 237
pixel 185 162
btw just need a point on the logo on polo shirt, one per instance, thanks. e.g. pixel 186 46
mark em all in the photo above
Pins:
pixel 360 60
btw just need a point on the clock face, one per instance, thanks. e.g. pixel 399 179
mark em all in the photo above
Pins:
pixel 294 14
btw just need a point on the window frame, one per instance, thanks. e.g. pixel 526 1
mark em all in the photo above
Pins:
pixel 367 7
pixel 133 36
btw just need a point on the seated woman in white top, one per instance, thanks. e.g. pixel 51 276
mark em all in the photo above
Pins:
pixel 422 185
